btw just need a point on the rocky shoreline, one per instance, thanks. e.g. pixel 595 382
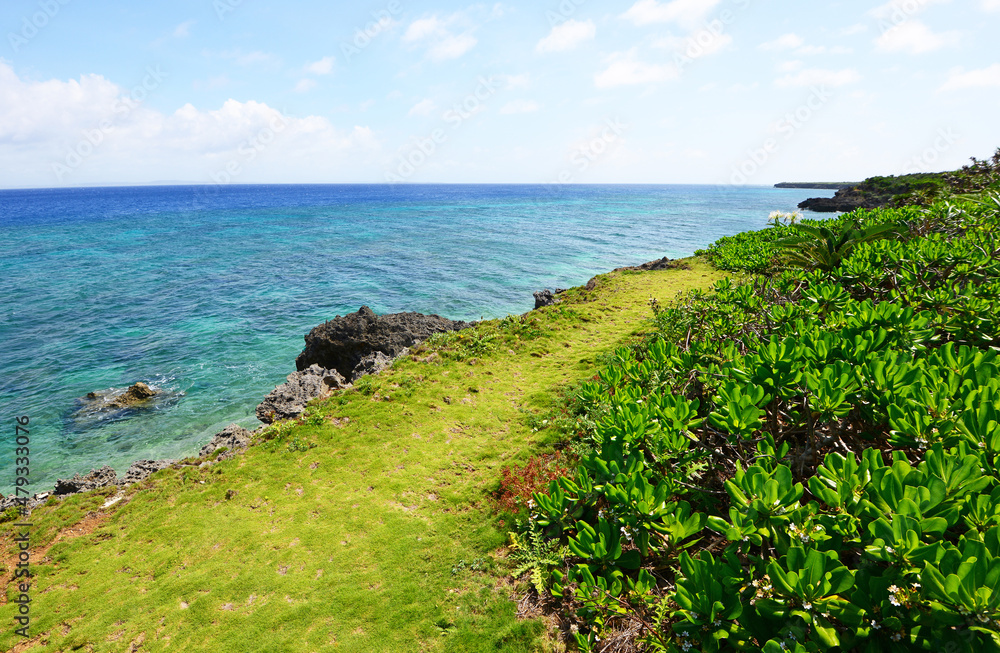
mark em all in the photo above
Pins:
pixel 337 354
pixel 845 200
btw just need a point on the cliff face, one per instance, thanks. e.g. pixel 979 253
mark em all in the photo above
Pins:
pixel 846 199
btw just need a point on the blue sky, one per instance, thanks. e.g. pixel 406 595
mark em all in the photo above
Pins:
pixel 578 91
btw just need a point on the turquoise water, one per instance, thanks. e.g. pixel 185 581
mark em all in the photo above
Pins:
pixel 208 291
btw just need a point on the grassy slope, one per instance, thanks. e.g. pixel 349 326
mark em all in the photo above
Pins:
pixel 346 546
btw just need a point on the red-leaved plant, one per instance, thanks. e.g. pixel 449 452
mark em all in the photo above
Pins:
pixel 519 482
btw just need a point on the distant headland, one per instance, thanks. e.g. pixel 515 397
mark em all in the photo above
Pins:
pixel 821 185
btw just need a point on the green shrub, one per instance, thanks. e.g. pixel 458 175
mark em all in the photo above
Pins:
pixel 808 460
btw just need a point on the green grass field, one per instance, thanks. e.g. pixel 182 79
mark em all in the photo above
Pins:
pixel 365 528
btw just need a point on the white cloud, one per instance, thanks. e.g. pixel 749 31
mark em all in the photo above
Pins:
pixel 519 106
pixel 305 85
pixel 422 108
pixel 184 29
pixel 625 69
pixel 991 5
pixel 423 28
pixel 567 36
pixel 452 47
pixel 35 111
pixel 687 13
pixel 960 79
pixel 322 67
pixel 854 29
pixel 437 35
pixel 42 122
pixel 914 37
pixel 819 77
pixel 785 42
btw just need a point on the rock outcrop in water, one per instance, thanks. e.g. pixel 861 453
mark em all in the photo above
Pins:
pixel 96 407
pixel 137 394
pixel 289 399
pixel 342 343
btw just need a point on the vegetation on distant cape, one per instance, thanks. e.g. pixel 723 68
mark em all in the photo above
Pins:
pixel 806 459
pixel 920 189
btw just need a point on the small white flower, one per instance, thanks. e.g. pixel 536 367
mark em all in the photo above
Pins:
pixel 807 606
pixel 890 551
pixel 893 589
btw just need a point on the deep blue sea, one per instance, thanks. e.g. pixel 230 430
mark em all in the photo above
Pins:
pixel 206 292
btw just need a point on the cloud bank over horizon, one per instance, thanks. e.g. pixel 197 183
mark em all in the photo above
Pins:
pixel 704 91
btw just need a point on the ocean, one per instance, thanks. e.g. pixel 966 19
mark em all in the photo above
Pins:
pixel 207 291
